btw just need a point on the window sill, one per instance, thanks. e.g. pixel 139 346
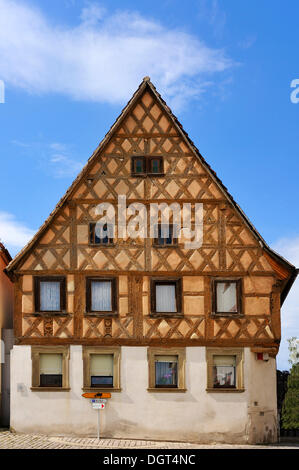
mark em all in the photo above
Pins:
pixel 48 314
pixel 225 390
pixel 229 315
pixel 174 245
pixel 167 390
pixel 166 315
pixel 101 314
pixel 102 245
pixel 50 389
pixel 101 390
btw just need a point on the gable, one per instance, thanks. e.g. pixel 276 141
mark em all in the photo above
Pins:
pixel 146 127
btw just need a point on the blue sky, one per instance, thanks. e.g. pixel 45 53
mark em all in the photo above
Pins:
pixel 225 68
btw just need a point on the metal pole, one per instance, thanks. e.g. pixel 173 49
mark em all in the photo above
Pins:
pixel 99 411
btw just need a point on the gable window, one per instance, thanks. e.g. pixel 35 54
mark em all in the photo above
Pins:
pixel 50 368
pixel 227 297
pixel 101 295
pixel 166 369
pixel 166 296
pixel 166 235
pixel 155 165
pixel 50 294
pixel 225 369
pixel 100 234
pixel 138 165
pixel 150 165
pixel 101 368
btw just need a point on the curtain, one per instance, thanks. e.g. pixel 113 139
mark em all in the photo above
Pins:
pixel 50 296
pixel 101 296
pixel 166 370
pixel 101 364
pixel 165 298
pixel 50 364
pixel 224 371
pixel 226 297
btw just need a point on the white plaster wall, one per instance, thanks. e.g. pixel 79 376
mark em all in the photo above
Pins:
pixel 134 412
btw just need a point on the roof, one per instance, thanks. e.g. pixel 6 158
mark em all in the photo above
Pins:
pixel 146 83
pixel 4 253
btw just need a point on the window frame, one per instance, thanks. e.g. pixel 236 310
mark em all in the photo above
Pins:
pixel 239 354
pixel 178 293
pixel 37 293
pixel 91 237
pixel 87 351
pixel 239 291
pixel 114 296
pixel 181 354
pixel 147 165
pixel 35 358
pixel 174 242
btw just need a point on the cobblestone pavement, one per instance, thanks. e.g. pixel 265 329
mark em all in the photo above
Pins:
pixel 10 440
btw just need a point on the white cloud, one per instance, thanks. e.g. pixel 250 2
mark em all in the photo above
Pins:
pixel 103 58
pixel 289 249
pixel 13 234
pixel 55 158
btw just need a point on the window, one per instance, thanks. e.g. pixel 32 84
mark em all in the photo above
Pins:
pixel 50 370
pixel 50 367
pixel 155 165
pixel 147 165
pixel 166 235
pixel 101 295
pixel 138 165
pixel 50 294
pixel 101 368
pixel 227 297
pixel 225 369
pixel 166 296
pixel 100 234
pixel 166 369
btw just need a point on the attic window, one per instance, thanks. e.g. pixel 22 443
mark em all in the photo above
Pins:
pixel 100 234
pixel 141 166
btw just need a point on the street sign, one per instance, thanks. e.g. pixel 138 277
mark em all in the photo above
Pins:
pixel 98 400
pixel 98 406
pixel 97 395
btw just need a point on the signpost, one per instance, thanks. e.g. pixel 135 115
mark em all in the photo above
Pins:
pixel 98 402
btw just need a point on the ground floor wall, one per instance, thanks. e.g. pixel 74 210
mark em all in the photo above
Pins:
pixel 135 412
pixel 6 344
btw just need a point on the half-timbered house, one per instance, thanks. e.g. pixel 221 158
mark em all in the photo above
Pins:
pixel 184 338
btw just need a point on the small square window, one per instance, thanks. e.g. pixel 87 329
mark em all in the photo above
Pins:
pixel 155 165
pixel 166 296
pixel 101 234
pixel 138 166
pixel 101 295
pixel 101 368
pixel 166 235
pixel 50 295
pixel 227 297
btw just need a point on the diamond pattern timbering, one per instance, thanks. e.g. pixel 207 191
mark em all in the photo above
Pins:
pixel 191 327
pixel 243 328
pixel 121 327
pixel 56 327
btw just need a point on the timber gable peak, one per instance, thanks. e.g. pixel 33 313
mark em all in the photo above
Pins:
pixel 147 126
